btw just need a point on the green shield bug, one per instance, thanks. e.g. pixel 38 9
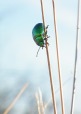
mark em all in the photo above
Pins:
pixel 39 34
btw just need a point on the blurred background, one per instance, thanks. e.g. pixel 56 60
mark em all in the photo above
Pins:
pixel 19 64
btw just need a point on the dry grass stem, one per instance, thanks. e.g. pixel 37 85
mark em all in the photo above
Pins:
pixel 76 54
pixel 48 61
pixel 58 62
pixel 16 99
pixel 40 103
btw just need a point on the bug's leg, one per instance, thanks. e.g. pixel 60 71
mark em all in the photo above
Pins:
pixel 44 34
pixel 38 51
pixel 47 27
pixel 45 38
pixel 48 36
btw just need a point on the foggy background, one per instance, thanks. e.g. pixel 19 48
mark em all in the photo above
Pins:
pixel 19 64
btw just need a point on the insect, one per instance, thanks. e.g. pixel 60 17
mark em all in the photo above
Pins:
pixel 39 34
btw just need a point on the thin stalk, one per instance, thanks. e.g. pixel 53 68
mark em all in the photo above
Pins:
pixel 40 103
pixel 60 83
pixel 49 67
pixel 75 64
pixel 57 90
pixel 15 99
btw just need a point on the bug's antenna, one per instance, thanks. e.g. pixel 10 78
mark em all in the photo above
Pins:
pixel 75 64
pixel 56 38
pixel 38 51
pixel 48 60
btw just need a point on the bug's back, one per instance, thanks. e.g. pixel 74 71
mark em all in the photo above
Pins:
pixel 38 29
pixel 37 33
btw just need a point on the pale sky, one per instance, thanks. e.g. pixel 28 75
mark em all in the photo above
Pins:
pixel 18 50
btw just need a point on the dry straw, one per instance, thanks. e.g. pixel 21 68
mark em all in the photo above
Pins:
pixel 75 64
pixel 49 67
pixel 16 99
pixel 56 38
pixel 40 104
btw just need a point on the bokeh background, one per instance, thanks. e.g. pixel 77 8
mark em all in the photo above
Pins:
pixel 18 61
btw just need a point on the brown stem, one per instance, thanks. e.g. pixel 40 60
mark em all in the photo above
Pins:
pixel 60 83
pixel 49 67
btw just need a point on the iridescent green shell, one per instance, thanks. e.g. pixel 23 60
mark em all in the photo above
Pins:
pixel 39 34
